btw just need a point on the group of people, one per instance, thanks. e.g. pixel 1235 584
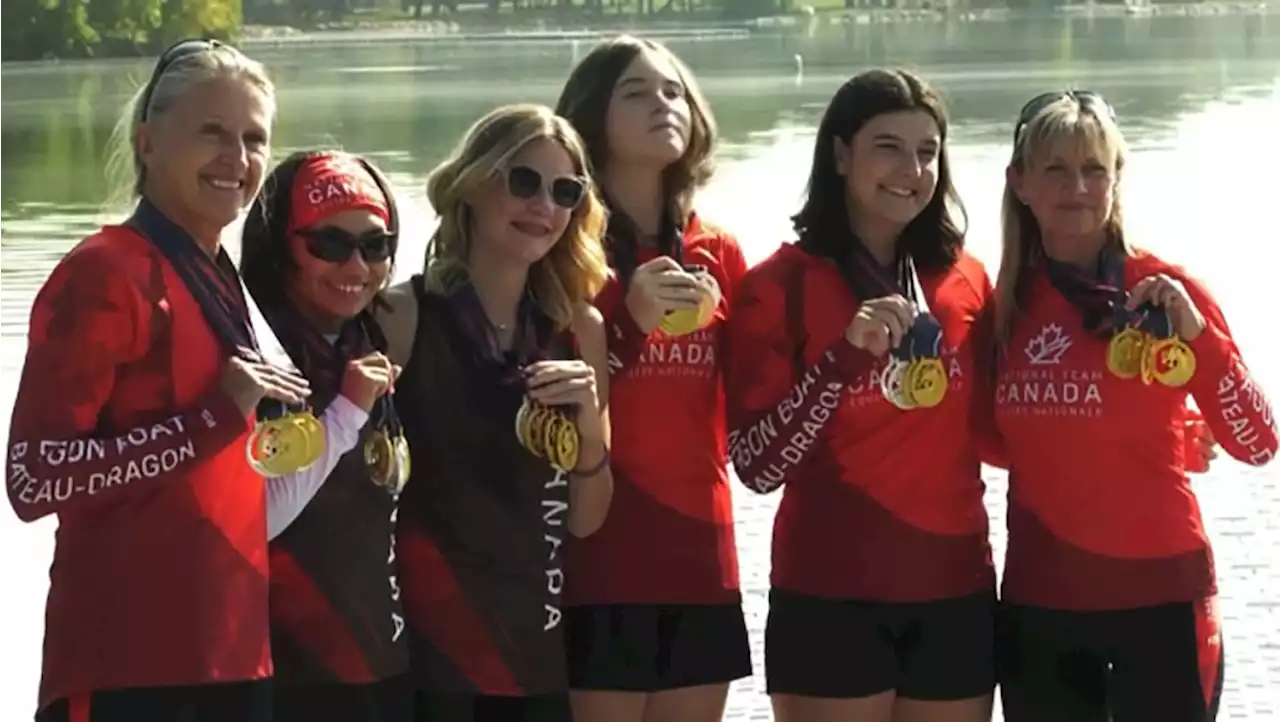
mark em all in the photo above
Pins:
pixel 289 490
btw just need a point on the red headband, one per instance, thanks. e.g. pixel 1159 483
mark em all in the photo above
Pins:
pixel 332 183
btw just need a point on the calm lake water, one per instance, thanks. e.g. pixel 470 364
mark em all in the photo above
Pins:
pixel 1199 99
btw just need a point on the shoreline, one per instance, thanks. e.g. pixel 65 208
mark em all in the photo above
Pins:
pixel 697 27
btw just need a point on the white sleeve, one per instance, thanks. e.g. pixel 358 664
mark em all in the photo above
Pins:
pixel 288 495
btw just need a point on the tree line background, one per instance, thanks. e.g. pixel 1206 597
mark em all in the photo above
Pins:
pixel 34 29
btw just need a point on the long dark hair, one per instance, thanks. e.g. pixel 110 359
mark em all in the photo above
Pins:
pixel 265 260
pixel 933 239
pixel 584 102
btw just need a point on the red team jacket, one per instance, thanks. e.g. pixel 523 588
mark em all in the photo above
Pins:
pixel 880 504
pixel 668 538
pixel 120 428
pixel 1101 514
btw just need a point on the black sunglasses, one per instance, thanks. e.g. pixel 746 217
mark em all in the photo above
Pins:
pixel 525 183
pixel 334 245
pixel 177 51
pixel 1044 100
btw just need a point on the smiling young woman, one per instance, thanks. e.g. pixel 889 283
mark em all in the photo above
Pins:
pixel 317 250
pixel 497 332
pixel 883 599
pixel 132 419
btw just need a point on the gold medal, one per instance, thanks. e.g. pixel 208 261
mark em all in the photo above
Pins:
pixel 925 382
pixel 891 384
pixel 1147 368
pixel 283 445
pixel 1173 362
pixel 380 457
pixel 1124 353
pixel 550 430
pixel 687 320
pixel 537 424
pixel 522 422
pixel 566 445
pixel 403 464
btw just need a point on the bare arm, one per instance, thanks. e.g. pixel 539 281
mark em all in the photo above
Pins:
pixel 591 483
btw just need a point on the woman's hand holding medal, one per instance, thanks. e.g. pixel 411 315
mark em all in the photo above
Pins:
pixel 659 287
pixel 368 379
pixel 1161 318
pixel 248 379
pixel 287 436
pixel 541 425
pixel 880 324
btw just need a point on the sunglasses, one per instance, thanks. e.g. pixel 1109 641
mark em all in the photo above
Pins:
pixel 177 51
pixel 526 183
pixel 334 245
pixel 1044 100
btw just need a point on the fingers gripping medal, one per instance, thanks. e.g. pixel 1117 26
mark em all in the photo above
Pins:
pixel 687 320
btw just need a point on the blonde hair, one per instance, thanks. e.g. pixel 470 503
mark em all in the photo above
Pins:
pixel 1083 126
pixel 575 269
pixel 126 175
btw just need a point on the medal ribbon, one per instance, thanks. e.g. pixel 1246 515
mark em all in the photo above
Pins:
pixel 865 273
pixel 534 333
pixel 1101 296
pixel 216 287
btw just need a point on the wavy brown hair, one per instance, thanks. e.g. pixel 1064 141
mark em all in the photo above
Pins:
pixel 585 101
pixel 1067 122
pixel 575 269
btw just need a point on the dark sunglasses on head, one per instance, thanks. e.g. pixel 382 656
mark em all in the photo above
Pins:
pixel 177 51
pixel 525 183
pixel 335 245
pixel 1044 100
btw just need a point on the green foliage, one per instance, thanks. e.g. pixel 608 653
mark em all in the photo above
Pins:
pixel 35 29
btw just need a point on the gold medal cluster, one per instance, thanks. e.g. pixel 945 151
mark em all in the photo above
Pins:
pixel 547 433
pixel 387 457
pixel 1133 353
pixel 683 321
pixel 918 383
pixel 285 445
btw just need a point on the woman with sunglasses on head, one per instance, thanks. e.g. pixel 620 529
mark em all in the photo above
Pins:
pixel 856 378
pixel 132 420
pixel 504 403
pixel 655 625
pixel 317 250
pixel 1109 605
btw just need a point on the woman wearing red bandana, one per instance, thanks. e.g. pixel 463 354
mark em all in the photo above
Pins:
pixel 856 366
pixel 132 419
pixel 502 354
pixel 655 625
pixel 1109 609
pixel 317 249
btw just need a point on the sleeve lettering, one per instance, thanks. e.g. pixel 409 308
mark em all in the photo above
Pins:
pixel 1233 404
pixel 86 322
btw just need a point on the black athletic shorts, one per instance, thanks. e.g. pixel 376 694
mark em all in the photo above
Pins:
pixel 438 707
pixel 842 649
pixel 651 648
pixel 1160 663
pixel 389 700
pixel 240 701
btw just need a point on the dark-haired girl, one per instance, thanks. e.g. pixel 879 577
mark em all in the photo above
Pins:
pixel 655 629
pixel 855 365
pixel 318 247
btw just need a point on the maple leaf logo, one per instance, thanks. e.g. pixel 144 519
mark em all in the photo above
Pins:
pixel 1048 346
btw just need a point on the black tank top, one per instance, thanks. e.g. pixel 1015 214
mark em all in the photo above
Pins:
pixel 481 519
pixel 335 609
